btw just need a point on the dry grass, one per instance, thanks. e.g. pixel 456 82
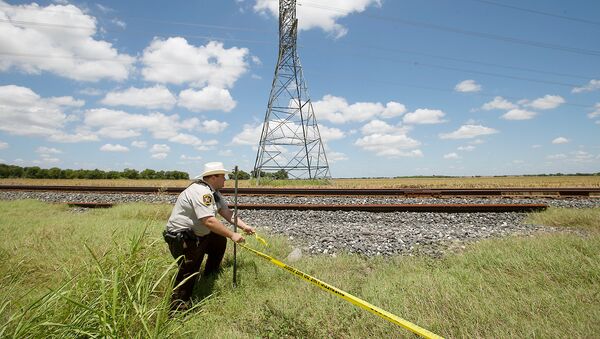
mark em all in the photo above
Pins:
pixel 455 182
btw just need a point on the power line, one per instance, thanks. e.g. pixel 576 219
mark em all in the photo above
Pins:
pixel 570 18
pixel 205 37
pixel 379 17
pixel 457 69
pixel 416 63
pixel 168 22
pixel 448 90
pixel 483 35
pixel 371 47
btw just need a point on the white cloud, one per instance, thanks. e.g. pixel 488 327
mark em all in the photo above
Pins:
pixel 120 124
pixel 333 157
pixel 175 61
pixel 323 16
pixel 451 156
pixel 23 112
pixel 256 60
pixel 250 135
pixel 337 110
pixel 113 148
pixel 468 131
pixel 518 114
pixel 90 91
pixel 139 144
pixel 596 112
pixel 207 99
pixel 213 126
pixel 560 140
pixel 424 116
pixel 46 159
pixel 81 136
pixel 198 144
pixel 467 148
pixel 591 86
pixel 547 102
pixel 467 86
pixel 330 133
pixel 378 126
pixel 390 145
pixel 152 97
pixel 579 156
pixel 582 156
pixel 3 145
pixel 393 109
pixel 36 39
pixel 160 148
pixel 47 150
pixel 498 103
pixel 559 156
pixel 190 158
pixel 159 156
pixel 225 153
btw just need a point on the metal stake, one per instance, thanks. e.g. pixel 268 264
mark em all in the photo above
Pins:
pixel 235 222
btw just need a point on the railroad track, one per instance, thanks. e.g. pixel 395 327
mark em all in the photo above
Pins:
pixel 439 208
pixel 401 192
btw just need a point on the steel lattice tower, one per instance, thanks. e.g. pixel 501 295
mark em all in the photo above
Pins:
pixel 290 138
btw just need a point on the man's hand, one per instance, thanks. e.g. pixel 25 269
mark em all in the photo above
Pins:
pixel 249 230
pixel 237 238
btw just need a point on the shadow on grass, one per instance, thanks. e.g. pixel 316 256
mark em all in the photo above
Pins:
pixel 204 287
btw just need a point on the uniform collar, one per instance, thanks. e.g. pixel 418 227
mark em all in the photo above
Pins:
pixel 200 181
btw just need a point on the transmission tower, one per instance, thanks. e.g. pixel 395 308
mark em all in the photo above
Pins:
pixel 290 138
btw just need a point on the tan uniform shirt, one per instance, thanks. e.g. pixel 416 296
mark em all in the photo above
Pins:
pixel 194 203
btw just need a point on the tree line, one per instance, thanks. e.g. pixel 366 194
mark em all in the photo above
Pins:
pixel 35 172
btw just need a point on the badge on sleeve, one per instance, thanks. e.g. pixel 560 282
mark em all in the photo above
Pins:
pixel 207 199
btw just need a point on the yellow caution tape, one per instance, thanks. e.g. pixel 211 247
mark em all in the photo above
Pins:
pixel 261 240
pixel 346 296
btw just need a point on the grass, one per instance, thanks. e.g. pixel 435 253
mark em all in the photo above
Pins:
pixel 107 273
pixel 585 218
pixel 453 182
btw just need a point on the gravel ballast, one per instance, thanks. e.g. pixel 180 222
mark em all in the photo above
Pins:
pixel 365 233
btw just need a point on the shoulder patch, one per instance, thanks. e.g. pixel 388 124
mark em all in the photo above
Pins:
pixel 207 199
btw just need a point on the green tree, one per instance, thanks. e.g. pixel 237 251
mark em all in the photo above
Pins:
pixel 281 174
pixel 130 173
pixel 147 174
pixel 32 172
pixel 241 175
pixel 113 175
pixel 54 173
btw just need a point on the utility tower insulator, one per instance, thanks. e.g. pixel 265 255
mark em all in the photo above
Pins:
pixel 290 138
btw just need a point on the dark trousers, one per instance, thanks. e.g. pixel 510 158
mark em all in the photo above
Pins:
pixel 194 250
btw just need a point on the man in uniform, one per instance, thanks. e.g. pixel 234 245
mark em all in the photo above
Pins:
pixel 193 230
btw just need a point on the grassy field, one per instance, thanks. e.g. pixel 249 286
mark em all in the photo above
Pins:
pixel 455 182
pixel 107 273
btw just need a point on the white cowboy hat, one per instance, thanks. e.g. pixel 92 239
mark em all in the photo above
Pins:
pixel 211 168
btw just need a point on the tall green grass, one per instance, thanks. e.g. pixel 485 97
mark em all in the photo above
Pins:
pixel 107 273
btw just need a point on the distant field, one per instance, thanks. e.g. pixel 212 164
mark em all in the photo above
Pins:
pixel 455 182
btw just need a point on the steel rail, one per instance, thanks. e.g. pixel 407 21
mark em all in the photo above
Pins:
pixel 406 192
pixel 438 208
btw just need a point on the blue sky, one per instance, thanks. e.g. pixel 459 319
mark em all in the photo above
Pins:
pixel 414 87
